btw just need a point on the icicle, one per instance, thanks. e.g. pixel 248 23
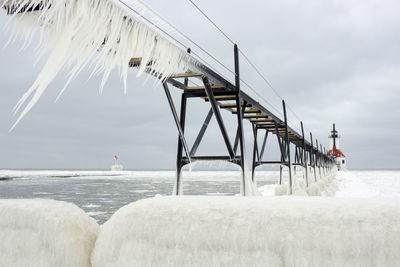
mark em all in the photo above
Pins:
pixel 101 34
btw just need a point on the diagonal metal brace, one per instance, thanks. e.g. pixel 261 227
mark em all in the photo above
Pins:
pixel 177 122
pixel 218 116
pixel 236 144
pixel 264 143
pixel 256 152
pixel 201 133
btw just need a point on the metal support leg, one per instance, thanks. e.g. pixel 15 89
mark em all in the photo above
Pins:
pixel 240 120
pixel 179 162
pixel 180 124
pixel 321 169
pixel 318 159
pixel 324 162
pixel 288 148
pixel 313 159
pixel 281 148
pixel 241 144
pixel 238 132
pixel 305 164
pixel 256 155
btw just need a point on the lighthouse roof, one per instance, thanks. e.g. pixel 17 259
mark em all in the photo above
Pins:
pixel 336 153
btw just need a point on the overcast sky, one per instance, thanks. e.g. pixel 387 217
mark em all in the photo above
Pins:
pixel 333 61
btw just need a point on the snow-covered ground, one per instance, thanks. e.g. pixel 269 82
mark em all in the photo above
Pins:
pixel 367 184
pixel 356 184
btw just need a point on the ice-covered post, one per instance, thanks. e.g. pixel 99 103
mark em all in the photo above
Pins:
pixel 240 121
pixel 182 145
pixel 322 161
pixel 287 147
pixel 318 159
pixel 312 155
pixel 304 154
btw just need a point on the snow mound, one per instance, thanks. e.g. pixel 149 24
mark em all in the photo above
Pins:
pixel 281 190
pixel 45 233
pixel 251 231
pixel 314 190
pixel 353 185
pixel 300 192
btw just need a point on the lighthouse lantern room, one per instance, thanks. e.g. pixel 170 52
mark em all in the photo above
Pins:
pixel 334 150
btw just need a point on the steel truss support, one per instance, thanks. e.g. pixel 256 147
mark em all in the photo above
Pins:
pixel 312 157
pixel 305 163
pixel 201 133
pixel 217 91
pixel 322 161
pixel 298 157
pixel 215 109
pixel 182 145
pixel 240 112
pixel 284 147
pixel 318 159
pixel 257 154
pixel 287 146
pixel 325 163
pixel 190 155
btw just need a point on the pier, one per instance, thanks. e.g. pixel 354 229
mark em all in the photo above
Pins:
pixel 224 96
pixel 164 60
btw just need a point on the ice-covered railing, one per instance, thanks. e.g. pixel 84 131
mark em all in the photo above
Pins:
pixel 45 232
pixel 100 34
pixel 234 231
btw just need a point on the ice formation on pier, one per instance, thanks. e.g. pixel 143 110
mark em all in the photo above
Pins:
pixel 45 233
pixel 251 231
pixel 100 34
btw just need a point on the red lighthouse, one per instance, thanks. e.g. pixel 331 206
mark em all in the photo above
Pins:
pixel 334 150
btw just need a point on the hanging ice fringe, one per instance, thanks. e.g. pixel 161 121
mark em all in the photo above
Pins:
pixel 101 33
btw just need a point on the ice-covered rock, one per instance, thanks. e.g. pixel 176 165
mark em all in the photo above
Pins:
pixel 281 190
pixel 314 190
pixel 321 184
pixel 251 231
pixel 300 192
pixel 45 233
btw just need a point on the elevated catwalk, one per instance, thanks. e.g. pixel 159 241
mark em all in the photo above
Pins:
pixel 144 45
pixel 223 95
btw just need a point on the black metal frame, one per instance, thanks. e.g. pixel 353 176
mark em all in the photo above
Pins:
pixel 216 89
pixel 284 147
pixel 210 95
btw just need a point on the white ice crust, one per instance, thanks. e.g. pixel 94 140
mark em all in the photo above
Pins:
pixel 251 231
pixel 45 233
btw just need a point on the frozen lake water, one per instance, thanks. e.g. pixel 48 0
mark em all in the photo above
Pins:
pixel 101 193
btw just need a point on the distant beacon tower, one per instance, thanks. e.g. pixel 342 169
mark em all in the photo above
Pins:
pixel 334 150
